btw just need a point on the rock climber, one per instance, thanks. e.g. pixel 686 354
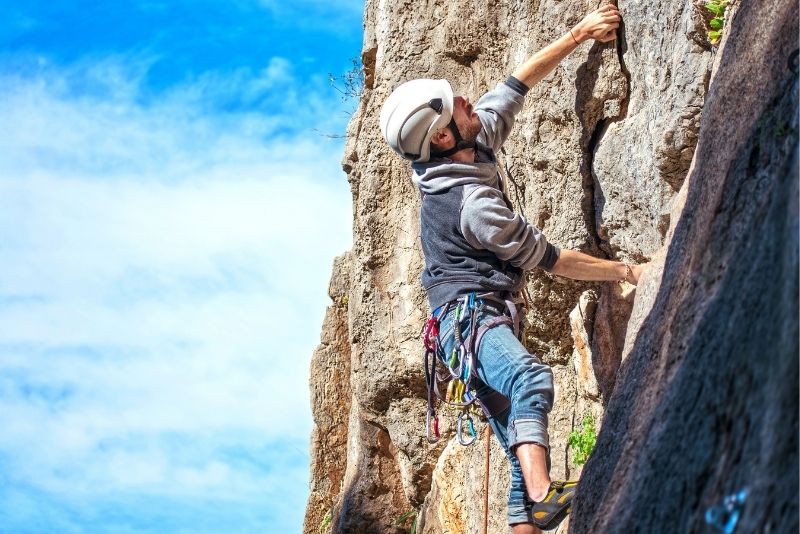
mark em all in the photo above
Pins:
pixel 476 245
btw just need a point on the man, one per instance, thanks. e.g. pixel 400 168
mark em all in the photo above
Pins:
pixel 475 245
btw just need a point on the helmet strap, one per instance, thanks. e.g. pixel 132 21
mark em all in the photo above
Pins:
pixel 461 144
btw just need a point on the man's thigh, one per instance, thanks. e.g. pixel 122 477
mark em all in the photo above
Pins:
pixel 502 360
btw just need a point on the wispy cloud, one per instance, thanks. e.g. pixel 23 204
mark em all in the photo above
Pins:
pixel 163 272
pixel 342 15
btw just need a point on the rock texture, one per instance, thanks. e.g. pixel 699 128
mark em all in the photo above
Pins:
pixel 330 397
pixel 598 160
pixel 706 401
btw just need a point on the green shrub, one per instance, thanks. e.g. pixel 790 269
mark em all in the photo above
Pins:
pixel 717 8
pixel 582 441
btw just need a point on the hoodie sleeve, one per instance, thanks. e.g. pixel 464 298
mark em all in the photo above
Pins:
pixel 497 109
pixel 487 223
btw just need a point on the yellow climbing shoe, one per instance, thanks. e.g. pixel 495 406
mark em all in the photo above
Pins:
pixel 551 510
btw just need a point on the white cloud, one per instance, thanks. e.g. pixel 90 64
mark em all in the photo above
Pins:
pixel 163 275
pixel 277 71
pixel 112 129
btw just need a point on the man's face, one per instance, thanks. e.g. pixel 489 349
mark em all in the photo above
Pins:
pixel 469 125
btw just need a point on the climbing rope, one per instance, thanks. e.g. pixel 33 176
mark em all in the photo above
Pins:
pixel 486 483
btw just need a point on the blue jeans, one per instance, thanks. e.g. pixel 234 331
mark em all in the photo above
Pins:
pixel 503 365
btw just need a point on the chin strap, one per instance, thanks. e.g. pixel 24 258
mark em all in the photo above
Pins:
pixel 461 144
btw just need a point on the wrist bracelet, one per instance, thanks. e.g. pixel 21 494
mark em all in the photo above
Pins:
pixel 573 38
pixel 628 274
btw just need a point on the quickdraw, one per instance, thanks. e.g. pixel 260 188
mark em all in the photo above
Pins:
pixel 459 366
pixel 430 339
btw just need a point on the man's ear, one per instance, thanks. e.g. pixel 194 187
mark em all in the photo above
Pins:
pixel 441 136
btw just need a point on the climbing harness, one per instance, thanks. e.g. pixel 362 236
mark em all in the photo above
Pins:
pixel 456 376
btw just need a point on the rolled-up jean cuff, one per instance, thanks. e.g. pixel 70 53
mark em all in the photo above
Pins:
pixel 519 514
pixel 528 431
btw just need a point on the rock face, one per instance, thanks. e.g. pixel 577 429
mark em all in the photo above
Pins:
pixel 598 159
pixel 330 396
pixel 706 401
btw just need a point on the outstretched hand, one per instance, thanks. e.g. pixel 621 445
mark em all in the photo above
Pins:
pixel 600 25
pixel 636 272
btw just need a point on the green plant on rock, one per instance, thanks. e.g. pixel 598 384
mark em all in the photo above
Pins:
pixel 411 514
pixel 717 8
pixel 582 440
pixel 326 521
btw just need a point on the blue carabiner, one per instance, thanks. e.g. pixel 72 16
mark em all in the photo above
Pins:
pixel 725 516
pixel 463 359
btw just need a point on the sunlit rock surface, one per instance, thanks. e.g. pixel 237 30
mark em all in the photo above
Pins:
pixel 599 159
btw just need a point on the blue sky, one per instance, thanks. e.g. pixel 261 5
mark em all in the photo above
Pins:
pixel 169 212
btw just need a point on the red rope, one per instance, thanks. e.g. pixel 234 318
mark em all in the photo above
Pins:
pixel 486 485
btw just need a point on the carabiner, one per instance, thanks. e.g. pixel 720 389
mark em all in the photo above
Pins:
pixel 452 363
pixel 467 369
pixel 431 333
pixel 451 389
pixel 435 427
pixel 459 433
pixel 725 516
pixel 459 391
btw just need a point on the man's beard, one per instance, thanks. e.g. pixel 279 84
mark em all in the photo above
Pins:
pixel 471 131
pixel 467 132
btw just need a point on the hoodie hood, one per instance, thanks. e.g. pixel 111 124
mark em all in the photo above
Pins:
pixel 440 175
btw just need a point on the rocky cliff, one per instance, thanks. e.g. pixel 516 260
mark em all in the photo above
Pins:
pixel 658 146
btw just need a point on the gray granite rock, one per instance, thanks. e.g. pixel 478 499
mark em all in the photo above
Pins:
pixel 705 404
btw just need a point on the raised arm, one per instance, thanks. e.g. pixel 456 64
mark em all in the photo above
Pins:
pixel 600 25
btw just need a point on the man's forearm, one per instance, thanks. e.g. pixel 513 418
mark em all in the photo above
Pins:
pixel 601 25
pixel 580 266
pixel 545 60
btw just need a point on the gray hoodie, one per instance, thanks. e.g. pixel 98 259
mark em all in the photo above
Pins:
pixel 472 239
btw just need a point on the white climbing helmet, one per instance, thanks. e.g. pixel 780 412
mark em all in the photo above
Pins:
pixel 412 113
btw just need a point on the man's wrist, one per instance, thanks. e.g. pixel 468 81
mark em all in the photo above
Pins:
pixel 578 35
pixel 627 274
